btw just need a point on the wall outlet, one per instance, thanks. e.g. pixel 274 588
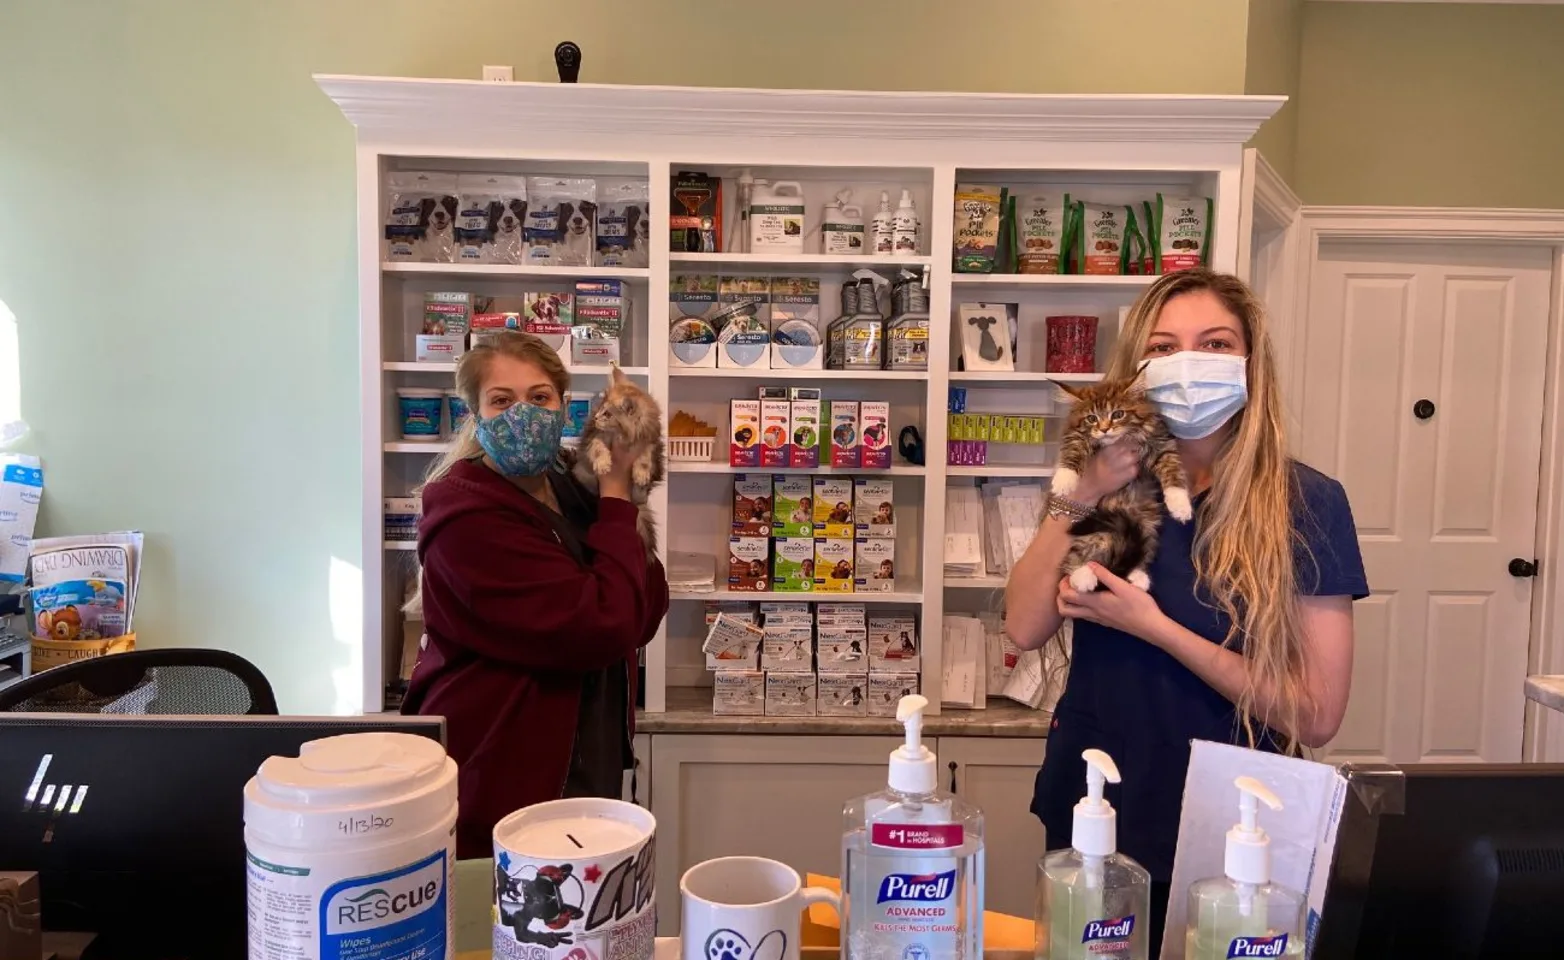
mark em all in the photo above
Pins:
pixel 499 74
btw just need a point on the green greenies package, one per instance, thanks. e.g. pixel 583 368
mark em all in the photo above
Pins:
pixel 1180 232
pixel 1042 226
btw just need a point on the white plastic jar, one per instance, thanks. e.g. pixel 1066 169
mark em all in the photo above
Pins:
pixel 351 848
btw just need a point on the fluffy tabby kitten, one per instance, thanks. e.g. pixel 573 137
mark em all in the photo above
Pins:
pixel 625 414
pixel 1122 534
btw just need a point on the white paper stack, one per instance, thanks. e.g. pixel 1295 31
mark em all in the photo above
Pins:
pixel 1039 675
pixel 965 666
pixel 692 572
pixel 964 532
pixel 1020 512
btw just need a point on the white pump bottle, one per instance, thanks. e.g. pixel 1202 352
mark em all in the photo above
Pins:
pixel 913 861
pixel 1092 901
pixel 1244 914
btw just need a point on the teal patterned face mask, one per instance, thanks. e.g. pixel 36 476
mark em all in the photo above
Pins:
pixel 523 439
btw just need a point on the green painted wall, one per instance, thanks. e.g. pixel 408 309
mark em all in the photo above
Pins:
pixel 177 242
pixel 1271 66
pixel 1432 105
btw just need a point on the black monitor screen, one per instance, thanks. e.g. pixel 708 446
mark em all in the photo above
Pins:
pixel 131 819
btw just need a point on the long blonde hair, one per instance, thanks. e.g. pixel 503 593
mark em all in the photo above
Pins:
pixel 1245 531
pixel 471 370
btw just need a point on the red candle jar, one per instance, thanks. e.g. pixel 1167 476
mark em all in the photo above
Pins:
pixel 1072 345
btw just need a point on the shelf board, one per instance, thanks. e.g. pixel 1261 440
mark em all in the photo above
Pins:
pixel 974 583
pixel 1021 376
pixel 415 446
pixel 1023 470
pixel 715 466
pixel 1035 281
pixel 401 544
pixel 722 593
pixel 801 376
pixel 512 270
pixel 800 261
pixel 447 367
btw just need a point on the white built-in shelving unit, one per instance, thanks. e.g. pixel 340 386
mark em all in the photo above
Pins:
pixel 1111 149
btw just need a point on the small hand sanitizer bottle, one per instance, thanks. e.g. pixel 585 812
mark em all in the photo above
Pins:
pixel 1244 914
pixel 1092 901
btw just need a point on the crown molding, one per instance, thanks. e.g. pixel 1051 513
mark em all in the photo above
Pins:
pixel 390 109
pixel 1474 223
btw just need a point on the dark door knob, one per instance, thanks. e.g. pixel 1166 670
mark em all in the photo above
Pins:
pixel 1523 568
pixel 1423 409
pixel 952 776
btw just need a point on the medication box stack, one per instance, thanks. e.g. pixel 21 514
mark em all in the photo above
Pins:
pixel 797 428
pixel 893 660
pixel 602 314
pixel 874 534
pixel 749 544
pixel 842 654
pixel 834 552
pixel 733 643
pixel 969 434
pixel 787 656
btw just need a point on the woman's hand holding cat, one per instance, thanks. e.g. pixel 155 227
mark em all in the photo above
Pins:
pixel 616 482
pixel 1119 604
pixel 1109 470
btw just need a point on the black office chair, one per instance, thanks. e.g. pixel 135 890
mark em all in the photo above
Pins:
pixel 190 682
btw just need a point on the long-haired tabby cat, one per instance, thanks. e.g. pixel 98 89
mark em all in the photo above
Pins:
pixel 625 415
pixel 1122 533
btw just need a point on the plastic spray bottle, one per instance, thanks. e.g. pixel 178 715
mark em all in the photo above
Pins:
pixel 882 230
pixel 904 227
pixel 1244 914
pixel 912 862
pixel 1092 901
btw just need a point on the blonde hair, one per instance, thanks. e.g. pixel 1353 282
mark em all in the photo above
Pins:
pixel 1245 530
pixel 471 371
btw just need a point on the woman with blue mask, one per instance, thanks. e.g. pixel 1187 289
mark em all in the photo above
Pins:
pixel 536 595
pixel 1245 633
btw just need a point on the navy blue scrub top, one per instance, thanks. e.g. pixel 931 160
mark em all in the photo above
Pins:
pixel 1143 707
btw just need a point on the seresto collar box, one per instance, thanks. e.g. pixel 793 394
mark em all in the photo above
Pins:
pixel 350 850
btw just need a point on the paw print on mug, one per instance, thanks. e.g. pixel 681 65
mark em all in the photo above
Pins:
pixel 732 945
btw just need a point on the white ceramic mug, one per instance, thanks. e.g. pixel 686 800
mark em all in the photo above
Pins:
pixel 745 908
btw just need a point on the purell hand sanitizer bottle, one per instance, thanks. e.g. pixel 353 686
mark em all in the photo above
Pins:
pixel 1244 914
pixel 1092 901
pixel 912 862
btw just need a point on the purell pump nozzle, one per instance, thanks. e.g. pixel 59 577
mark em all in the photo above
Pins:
pixel 912 764
pixel 1248 858
pixel 1095 832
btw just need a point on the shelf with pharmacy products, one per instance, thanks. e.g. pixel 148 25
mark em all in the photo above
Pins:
pixel 975 583
pixel 449 367
pixel 714 466
pixel 791 376
pixel 988 285
pixel 792 262
pixel 1018 377
pixel 416 446
pixel 511 271
pixel 907 596
pixel 1025 471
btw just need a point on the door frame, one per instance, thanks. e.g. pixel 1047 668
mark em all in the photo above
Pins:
pixel 1542 737
pixel 1271 208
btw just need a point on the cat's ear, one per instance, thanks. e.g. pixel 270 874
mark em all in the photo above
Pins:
pixel 616 375
pixel 1073 390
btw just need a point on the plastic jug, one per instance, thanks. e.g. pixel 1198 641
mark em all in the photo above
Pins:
pixel 776 217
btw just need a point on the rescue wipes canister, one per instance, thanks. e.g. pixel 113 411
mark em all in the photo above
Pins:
pixel 350 849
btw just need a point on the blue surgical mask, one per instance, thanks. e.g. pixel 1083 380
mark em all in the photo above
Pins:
pixel 1195 392
pixel 523 439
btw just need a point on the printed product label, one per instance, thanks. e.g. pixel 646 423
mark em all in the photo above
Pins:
pixel 399 914
pixel 1109 937
pixel 915 909
pixel 916 836
pixel 598 909
pixel 1272 946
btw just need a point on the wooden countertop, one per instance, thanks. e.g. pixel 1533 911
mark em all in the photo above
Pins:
pixel 1546 689
pixel 689 711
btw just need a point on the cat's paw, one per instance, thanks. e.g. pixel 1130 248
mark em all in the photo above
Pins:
pixel 1139 578
pixel 641 472
pixel 1179 507
pixel 1083 580
pixel 600 458
pixel 1065 481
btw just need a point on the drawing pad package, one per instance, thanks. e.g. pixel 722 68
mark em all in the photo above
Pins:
pixel 793 564
pixel 792 507
pixel 420 222
pixel 841 695
pixel 976 237
pixel 624 223
pixel 1042 227
pixel 561 221
pixel 1180 233
pixel 796 343
pixel 489 218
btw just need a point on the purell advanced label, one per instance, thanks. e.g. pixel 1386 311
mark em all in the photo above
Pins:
pixel 1272 946
pixel 1108 936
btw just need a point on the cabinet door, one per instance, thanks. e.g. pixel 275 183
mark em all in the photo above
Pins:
pixel 765 796
pixel 997 774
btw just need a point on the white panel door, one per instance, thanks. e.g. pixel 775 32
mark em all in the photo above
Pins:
pixel 1444 492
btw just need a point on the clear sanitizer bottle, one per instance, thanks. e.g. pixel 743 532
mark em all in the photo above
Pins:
pixel 912 862
pixel 1244 914
pixel 1092 901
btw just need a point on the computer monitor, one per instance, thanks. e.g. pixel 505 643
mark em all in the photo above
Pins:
pixel 135 824
pixel 1471 866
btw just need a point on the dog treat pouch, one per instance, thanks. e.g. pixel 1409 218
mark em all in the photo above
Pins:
pixel 1042 227
pixel 623 223
pixel 489 217
pixel 420 216
pixel 1180 232
pixel 561 215
pixel 1099 246
pixel 976 237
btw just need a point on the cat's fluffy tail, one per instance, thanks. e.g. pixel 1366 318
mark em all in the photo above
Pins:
pixel 1122 542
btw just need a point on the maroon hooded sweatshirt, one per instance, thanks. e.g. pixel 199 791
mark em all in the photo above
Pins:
pixel 514 622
